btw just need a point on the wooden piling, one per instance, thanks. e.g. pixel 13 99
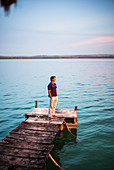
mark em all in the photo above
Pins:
pixel 36 103
pixel 76 108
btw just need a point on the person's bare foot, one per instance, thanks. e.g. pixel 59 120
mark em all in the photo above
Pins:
pixel 54 115
pixel 51 117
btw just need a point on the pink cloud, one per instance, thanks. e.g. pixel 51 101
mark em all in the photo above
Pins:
pixel 98 40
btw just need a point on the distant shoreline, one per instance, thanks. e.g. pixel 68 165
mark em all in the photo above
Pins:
pixel 60 57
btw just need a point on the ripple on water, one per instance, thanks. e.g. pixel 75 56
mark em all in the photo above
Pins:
pixel 108 109
pixel 22 108
pixel 6 108
pixel 7 95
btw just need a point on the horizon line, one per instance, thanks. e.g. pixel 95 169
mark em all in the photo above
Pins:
pixel 59 56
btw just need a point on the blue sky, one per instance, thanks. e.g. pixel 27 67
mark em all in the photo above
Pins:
pixel 57 27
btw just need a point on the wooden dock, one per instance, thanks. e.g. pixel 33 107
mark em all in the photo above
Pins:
pixel 28 146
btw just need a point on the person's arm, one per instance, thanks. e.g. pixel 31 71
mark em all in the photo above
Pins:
pixel 56 89
pixel 49 91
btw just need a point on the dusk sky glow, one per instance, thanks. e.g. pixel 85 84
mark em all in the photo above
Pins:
pixel 57 27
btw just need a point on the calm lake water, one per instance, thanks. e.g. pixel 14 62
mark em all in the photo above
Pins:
pixel 86 83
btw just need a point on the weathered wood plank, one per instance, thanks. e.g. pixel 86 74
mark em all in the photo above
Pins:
pixel 24 153
pixel 23 140
pixel 43 134
pixel 31 138
pixel 8 160
pixel 33 126
pixel 28 145
pixel 30 131
pixel 26 124
pixel 45 110
pixel 29 155
pixel 38 128
pixel 56 121
pixel 65 113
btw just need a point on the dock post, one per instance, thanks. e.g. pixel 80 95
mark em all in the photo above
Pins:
pixel 36 103
pixel 76 108
pixel 75 119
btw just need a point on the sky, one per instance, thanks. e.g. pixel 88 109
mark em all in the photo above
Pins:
pixel 57 27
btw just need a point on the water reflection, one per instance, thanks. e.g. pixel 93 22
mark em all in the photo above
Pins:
pixel 6 4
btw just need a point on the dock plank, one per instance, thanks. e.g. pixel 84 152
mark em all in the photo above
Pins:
pixel 55 121
pixel 23 153
pixel 36 126
pixel 30 139
pixel 29 145
pixel 35 141
pixel 34 133
pixel 29 131
pixel 61 113
pixel 21 162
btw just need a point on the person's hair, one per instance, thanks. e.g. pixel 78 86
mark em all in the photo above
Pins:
pixel 52 77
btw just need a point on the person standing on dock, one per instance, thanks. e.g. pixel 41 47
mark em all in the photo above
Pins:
pixel 53 97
